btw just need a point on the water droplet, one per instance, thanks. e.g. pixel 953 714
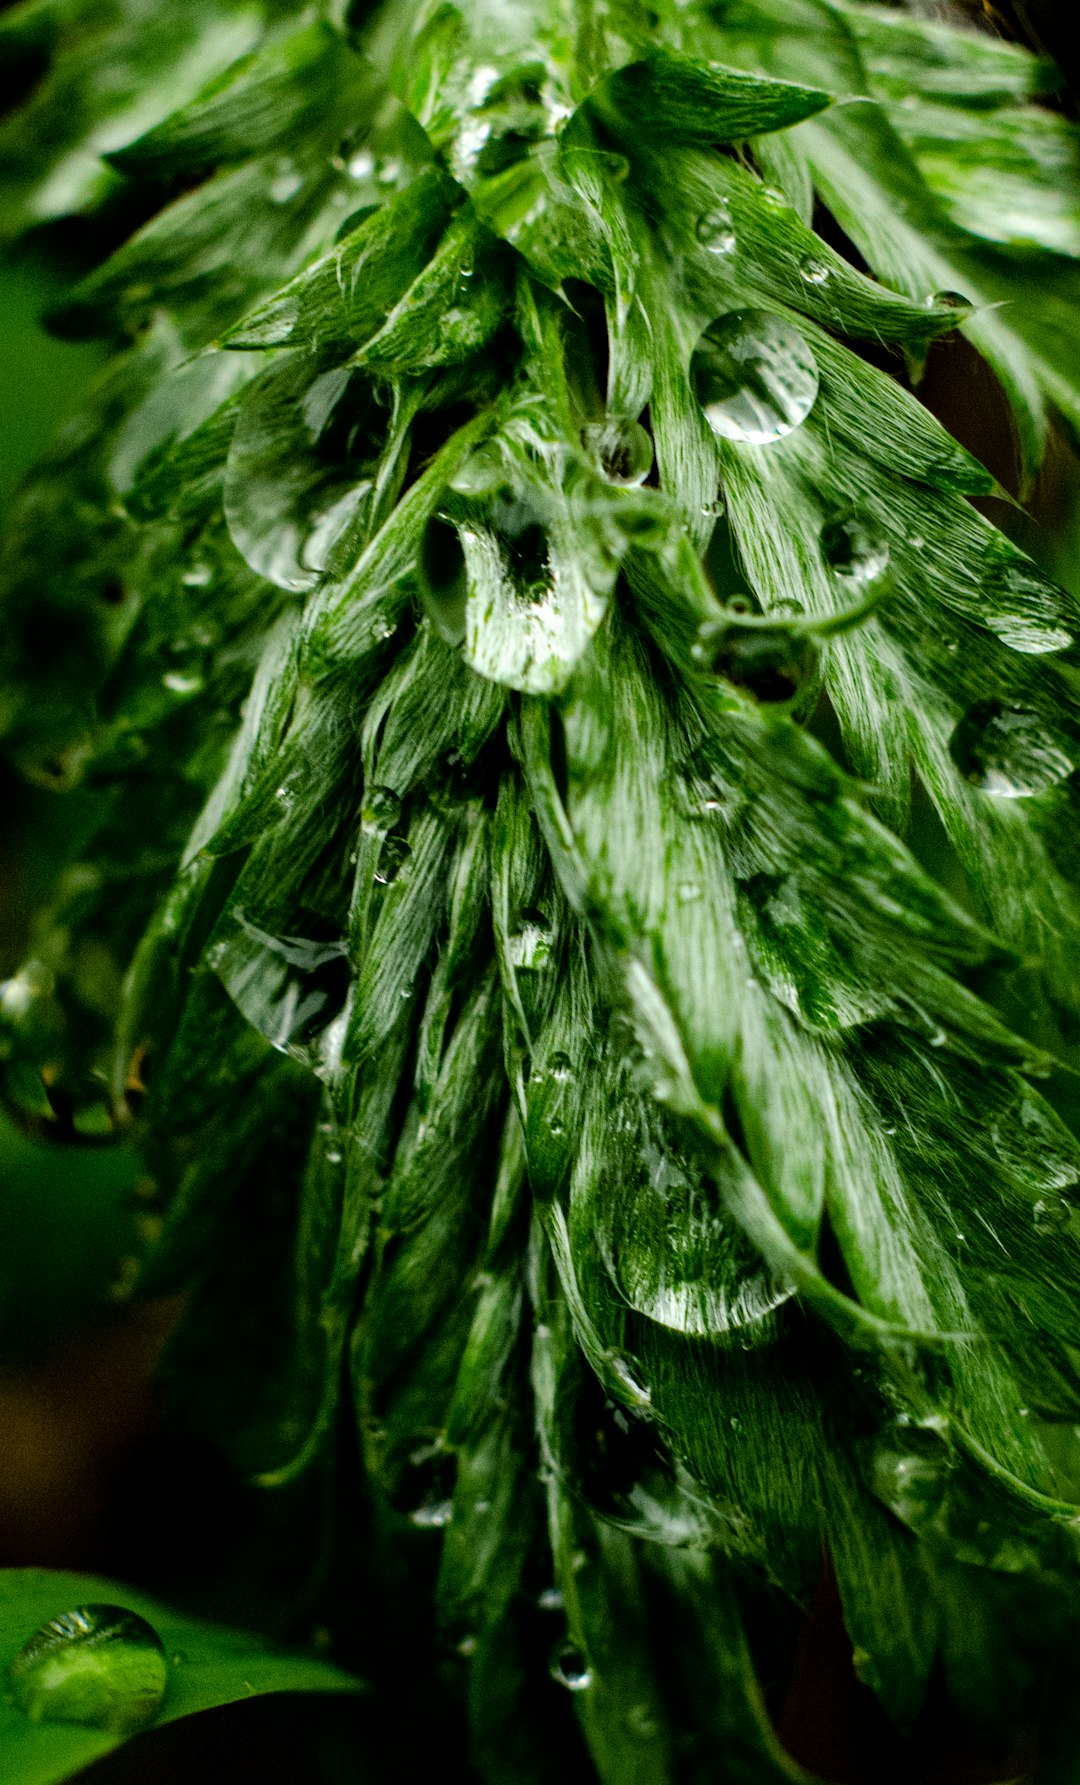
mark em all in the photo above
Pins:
pixel 560 1068
pixel 854 549
pixel 361 166
pixel 688 892
pixel 286 182
pixel 550 1599
pixel 199 576
pixel 1007 751
pixel 909 1472
pixel 772 666
pixel 178 683
pixel 1052 1214
pixel 1026 610
pixel 443 579
pixel 99 1665
pixel 754 376
pixel 424 1490
pixel 624 449
pixel 570 1668
pixel 949 300
pixel 814 271
pixel 775 199
pixel 641 1721
pixel 715 230
pixel 529 947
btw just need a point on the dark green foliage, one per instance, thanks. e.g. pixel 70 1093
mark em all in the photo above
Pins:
pixel 508 620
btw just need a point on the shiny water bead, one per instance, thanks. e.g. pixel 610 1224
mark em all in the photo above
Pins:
pixel 715 230
pixel 754 376
pixel 814 271
pixel 854 549
pixel 570 1668
pixel 1007 751
pixel 443 579
pixel 99 1665
pixel 949 300
pixel 624 449
pixel 1052 1214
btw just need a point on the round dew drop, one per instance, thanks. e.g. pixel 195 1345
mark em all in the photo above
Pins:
pixel 1006 751
pixel 715 230
pixel 570 1668
pixel 754 376
pixel 814 271
pixel 99 1665
pixel 624 449
pixel 854 550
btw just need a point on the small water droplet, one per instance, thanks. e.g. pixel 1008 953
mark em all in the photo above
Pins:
pixel 286 182
pixel 425 1487
pixel 178 683
pixel 550 1599
pixel 949 300
pixel 624 449
pixel 198 576
pixel 560 1068
pixel 715 230
pixel 570 1668
pixel 529 947
pixel 99 1665
pixel 814 271
pixel 689 891
pixel 361 166
pixel 1007 751
pixel 1052 1214
pixel 854 549
pixel 775 199
pixel 754 376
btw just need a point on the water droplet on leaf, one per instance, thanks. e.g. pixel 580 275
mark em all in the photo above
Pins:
pixel 854 549
pixel 1007 751
pixel 1052 1214
pixel 715 230
pixel 443 579
pixel 570 1668
pixel 550 1599
pixel 624 448
pixel 814 271
pixel 99 1665
pixel 949 300
pixel 754 376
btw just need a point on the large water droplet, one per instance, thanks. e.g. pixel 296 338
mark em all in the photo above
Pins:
pixel 854 549
pixel 1025 610
pixel 99 1665
pixel 715 230
pixel 570 1668
pixel 443 579
pixel 624 448
pixel 910 1473
pixel 754 376
pixel 1007 751
pixel 1052 1215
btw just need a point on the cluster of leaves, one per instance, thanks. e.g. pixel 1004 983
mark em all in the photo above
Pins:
pixel 503 618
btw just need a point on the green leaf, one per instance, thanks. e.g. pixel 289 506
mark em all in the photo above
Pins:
pixel 207 1666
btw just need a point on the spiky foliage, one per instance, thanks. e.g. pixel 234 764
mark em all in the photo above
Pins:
pixel 502 613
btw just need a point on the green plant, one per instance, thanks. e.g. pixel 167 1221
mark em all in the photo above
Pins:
pixel 502 620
